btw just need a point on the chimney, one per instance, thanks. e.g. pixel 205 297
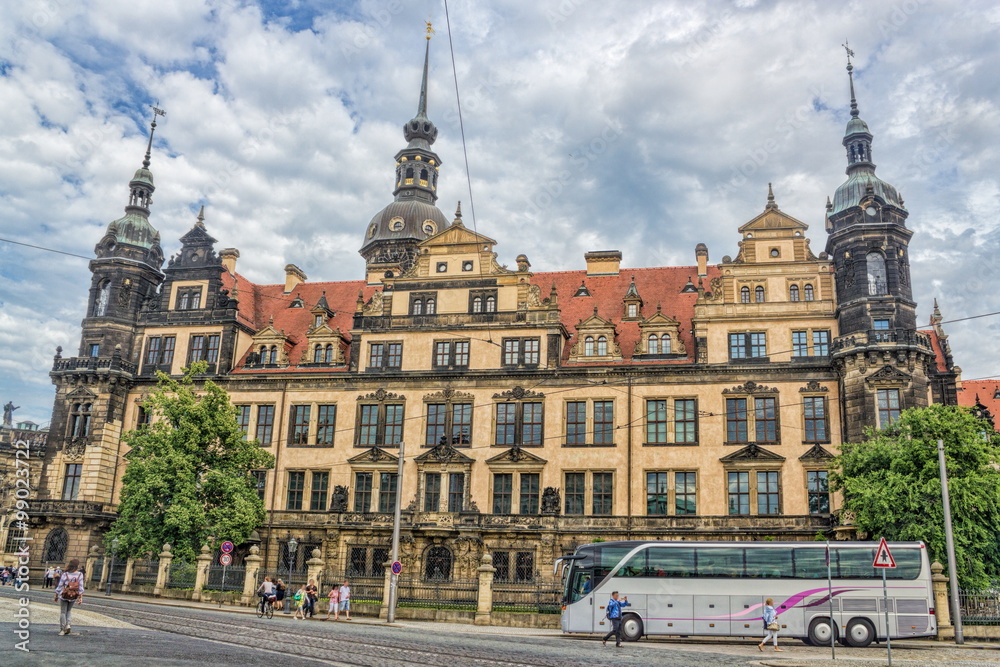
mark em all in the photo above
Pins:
pixel 293 276
pixel 603 262
pixel 229 257
pixel 701 252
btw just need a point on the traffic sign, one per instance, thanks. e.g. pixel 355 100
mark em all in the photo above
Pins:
pixel 397 567
pixel 227 547
pixel 225 559
pixel 883 557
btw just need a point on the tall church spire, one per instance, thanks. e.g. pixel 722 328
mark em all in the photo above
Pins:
pixel 420 131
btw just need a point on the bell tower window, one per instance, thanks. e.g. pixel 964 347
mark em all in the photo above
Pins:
pixel 103 295
pixel 877 283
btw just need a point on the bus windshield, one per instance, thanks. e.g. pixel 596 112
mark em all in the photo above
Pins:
pixel 590 565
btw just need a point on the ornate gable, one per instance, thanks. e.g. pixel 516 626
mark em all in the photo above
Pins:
pixel 888 376
pixel 595 340
pixel 750 387
pixel 448 395
pixel 752 453
pixel 816 453
pixel 270 347
pixel 516 457
pixel 632 303
pixel 518 393
pixel 324 346
pixel 444 453
pixel 659 335
pixel 375 455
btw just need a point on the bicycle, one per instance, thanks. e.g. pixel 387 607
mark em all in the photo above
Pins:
pixel 266 607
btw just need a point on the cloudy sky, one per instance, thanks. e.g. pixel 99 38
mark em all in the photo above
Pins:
pixel 645 127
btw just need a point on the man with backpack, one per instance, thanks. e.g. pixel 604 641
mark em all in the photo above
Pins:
pixel 614 613
pixel 69 591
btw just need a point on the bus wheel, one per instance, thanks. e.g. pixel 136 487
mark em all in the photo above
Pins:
pixel 631 628
pixel 819 632
pixel 860 633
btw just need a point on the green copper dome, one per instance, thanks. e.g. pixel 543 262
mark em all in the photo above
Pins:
pixel 854 189
pixel 143 175
pixel 134 229
pixel 856 126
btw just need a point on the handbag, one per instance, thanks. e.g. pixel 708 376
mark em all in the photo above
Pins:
pixel 773 625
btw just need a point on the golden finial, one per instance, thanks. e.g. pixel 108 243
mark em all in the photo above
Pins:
pixel 430 30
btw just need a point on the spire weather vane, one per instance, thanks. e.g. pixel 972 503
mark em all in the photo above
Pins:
pixel 850 53
pixel 157 111
pixel 430 30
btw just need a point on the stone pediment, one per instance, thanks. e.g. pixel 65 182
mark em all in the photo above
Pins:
pixel 750 387
pixel 269 334
pixel 813 386
pixel 81 394
pixel 516 455
pixel 816 453
pixel 444 453
pixel 888 376
pixel 596 322
pixel 753 453
pixel 658 319
pixel 448 395
pixel 458 235
pixel 773 219
pixel 374 455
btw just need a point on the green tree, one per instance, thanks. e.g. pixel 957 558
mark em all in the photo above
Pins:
pixel 188 473
pixel 891 485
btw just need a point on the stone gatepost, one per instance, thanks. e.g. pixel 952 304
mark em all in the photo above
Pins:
pixel 95 553
pixel 315 565
pixel 163 571
pixel 484 608
pixel 105 570
pixel 129 571
pixel 201 572
pixel 251 570
pixel 383 611
pixel 942 605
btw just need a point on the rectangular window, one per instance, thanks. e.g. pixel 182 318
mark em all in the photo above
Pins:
pixel 881 325
pixel 766 419
pixel 521 351
pixel 814 411
pixel 265 423
pixel 501 563
pixel 379 424
pixel 442 354
pixel 576 423
pixel 296 487
pixel 160 350
pixel 299 433
pixel 800 344
pixel 153 350
pixel 685 493
pixel 320 484
pixel 531 351
pixel 385 355
pixel 739 492
pixel 656 493
pixel 506 423
pixel 243 419
pixel 327 426
pixel 461 424
pixel 362 491
pixel 212 349
pixel 376 358
pixel 818 488
pixel 394 356
pixel 259 478
pixel 888 406
pixel 142 416
pixel 656 422
pixel 530 492
pixel 747 345
pixel 531 433
pixel 460 356
pixel 451 353
pixel 167 357
pixel 95 350
pixel 456 492
pixel 821 343
pixel 393 424
pixel 511 351
pixel 503 491
pixel 436 418
pixel 604 422
pixel 368 425
pixel 758 344
pixel 767 493
pixel 71 484
pixel 685 421
pixel 432 491
pixel 576 483
pixel 196 349
pixel 387 492
pixel 736 420
pixel 603 495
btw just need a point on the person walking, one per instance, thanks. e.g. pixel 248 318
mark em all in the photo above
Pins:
pixel 614 614
pixel 279 594
pixel 345 599
pixel 334 607
pixel 69 591
pixel 300 602
pixel 771 626
pixel 50 574
pixel 312 594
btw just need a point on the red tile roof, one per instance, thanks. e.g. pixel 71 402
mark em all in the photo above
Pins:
pixel 939 359
pixel 987 392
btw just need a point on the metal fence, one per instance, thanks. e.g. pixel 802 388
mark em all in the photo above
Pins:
pixel 234 575
pixel 364 590
pixel 980 607
pixel 460 594
pixel 117 571
pixel 144 572
pixel 98 571
pixel 182 575
pixel 535 598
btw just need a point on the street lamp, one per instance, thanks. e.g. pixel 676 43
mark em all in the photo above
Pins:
pixel 293 545
pixel 111 570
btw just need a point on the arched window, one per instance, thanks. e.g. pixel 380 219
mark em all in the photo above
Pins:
pixel 438 564
pixel 55 546
pixel 423 174
pixel 877 284
pixel 809 292
pixel 744 295
pixel 665 344
pixel 588 346
pixel 477 304
pixel 318 355
pixel 793 293
pixel 418 307
pixel 409 172
pixel 431 307
pixel 758 294
pixel 491 304
pixel 329 353
pixel 602 346
pixel 653 344
pixel 274 354
pixel 103 294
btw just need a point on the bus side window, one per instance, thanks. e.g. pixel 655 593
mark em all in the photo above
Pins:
pixel 810 563
pixel 770 563
pixel 671 562
pixel 855 562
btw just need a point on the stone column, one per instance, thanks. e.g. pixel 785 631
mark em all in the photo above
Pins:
pixel 163 571
pixel 315 565
pixel 95 553
pixel 251 569
pixel 129 571
pixel 942 605
pixel 204 559
pixel 484 608
pixel 105 570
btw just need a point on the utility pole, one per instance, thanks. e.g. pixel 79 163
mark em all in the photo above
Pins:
pixel 956 608
pixel 393 577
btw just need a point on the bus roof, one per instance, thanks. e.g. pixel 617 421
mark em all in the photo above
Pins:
pixel 631 544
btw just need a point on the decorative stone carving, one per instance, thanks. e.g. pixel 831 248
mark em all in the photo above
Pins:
pixel 338 502
pixel 518 393
pixel 374 305
pixel 550 500
pixel 380 395
pixel 888 376
pixel 813 386
pixel 750 387
pixel 448 394
pixel 752 452
pixel 816 453
pixel 74 449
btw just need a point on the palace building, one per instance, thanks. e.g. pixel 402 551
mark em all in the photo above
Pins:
pixel 539 410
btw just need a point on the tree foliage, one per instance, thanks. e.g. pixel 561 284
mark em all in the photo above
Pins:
pixel 188 474
pixel 891 485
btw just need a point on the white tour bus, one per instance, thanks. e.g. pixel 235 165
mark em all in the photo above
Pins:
pixel 719 588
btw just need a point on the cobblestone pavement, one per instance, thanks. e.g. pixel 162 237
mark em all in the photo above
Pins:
pixel 365 643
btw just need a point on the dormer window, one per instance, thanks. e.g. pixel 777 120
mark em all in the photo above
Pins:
pixel 588 346
pixel 602 346
pixel 422 303
pixel 317 321
pixel 632 310
pixel 188 298
pixel 483 301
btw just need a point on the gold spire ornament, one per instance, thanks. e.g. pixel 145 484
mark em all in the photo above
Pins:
pixel 430 30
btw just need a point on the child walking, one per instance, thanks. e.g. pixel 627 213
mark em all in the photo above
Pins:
pixel 334 604
pixel 300 602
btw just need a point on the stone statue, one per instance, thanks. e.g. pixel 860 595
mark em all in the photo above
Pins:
pixel 550 500
pixel 339 501
pixel 8 413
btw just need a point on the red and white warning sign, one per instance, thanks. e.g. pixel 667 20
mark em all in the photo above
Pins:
pixel 883 557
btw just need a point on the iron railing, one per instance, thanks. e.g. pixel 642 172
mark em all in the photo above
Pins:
pixel 235 575
pixel 145 572
pixel 364 589
pixel 459 594
pixel 536 598
pixel 980 607
pixel 182 575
